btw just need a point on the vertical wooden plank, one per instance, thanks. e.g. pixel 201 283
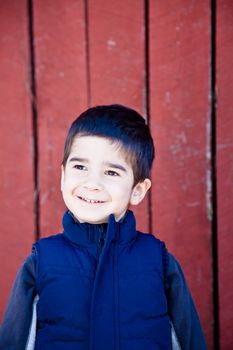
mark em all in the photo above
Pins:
pixel 16 147
pixel 224 80
pixel 61 86
pixel 117 61
pixel 180 122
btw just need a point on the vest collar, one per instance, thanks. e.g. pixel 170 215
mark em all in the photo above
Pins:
pixel 89 234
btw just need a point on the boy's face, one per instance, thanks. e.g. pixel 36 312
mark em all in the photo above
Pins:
pixel 97 181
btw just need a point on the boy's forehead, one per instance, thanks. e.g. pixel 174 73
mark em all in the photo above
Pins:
pixel 99 146
pixel 85 142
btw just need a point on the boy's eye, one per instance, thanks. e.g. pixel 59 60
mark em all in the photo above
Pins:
pixel 79 167
pixel 111 173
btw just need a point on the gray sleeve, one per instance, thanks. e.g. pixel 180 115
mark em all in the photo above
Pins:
pixel 16 322
pixel 182 310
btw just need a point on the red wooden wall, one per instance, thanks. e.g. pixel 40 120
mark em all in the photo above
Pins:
pixel 180 112
pixel 163 58
pixel 224 153
pixel 16 144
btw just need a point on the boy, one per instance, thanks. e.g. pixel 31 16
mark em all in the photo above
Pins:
pixel 101 284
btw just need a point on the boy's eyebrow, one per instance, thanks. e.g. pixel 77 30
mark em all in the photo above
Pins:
pixel 108 164
pixel 77 159
pixel 115 166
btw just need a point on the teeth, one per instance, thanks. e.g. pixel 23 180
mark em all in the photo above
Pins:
pixel 90 200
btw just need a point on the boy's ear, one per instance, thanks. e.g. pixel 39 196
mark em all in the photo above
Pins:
pixel 139 191
pixel 62 177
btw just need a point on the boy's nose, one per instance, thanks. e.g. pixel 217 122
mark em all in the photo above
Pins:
pixel 93 183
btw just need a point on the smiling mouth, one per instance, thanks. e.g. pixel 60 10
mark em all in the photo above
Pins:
pixel 91 201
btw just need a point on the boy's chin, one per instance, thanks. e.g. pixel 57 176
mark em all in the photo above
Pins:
pixel 91 220
pixel 97 220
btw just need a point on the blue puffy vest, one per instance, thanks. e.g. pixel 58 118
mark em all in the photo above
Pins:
pixel 101 289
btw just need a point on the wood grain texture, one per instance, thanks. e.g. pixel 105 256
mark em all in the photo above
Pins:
pixel 180 121
pixel 224 148
pixel 16 146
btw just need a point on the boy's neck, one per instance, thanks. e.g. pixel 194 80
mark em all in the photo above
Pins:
pixel 121 219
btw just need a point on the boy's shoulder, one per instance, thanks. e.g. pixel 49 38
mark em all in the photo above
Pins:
pixel 51 250
pixel 49 242
pixel 153 246
pixel 50 238
pixel 149 238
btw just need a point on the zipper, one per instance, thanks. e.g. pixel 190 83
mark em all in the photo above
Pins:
pixel 101 240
